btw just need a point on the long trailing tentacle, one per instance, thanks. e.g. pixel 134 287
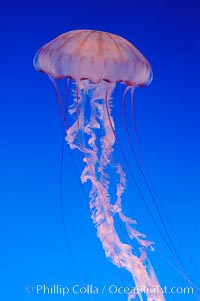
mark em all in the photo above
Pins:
pixel 63 109
pixel 154 196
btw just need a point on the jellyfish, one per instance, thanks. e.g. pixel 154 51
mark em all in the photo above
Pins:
pixel 96 62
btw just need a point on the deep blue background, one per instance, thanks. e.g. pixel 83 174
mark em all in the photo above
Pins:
pixel 33 246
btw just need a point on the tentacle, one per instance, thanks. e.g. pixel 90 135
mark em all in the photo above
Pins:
pixel 97 151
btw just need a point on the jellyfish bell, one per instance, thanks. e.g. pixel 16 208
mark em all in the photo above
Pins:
pixel 96 61
pixel 94 55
